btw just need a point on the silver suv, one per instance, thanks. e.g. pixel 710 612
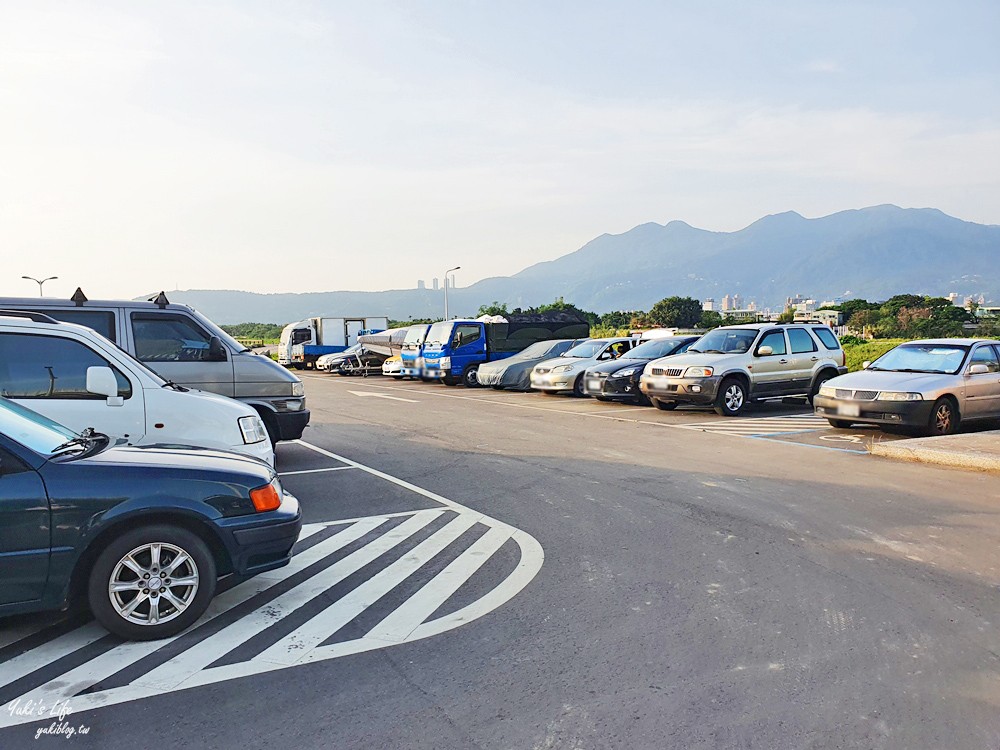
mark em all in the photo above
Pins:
pixel 730 366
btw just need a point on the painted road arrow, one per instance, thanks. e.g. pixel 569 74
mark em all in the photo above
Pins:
pixel 382 395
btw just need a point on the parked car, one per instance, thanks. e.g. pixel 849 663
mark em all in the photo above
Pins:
pixel 933 385
pixel 333 361
pixel 515 372
pixel 733 365
pixel 393 367
pixel 77 377
pixel 618 380
pixel 361 362
pixel 141 533
pixel 564 374
pixel 183 346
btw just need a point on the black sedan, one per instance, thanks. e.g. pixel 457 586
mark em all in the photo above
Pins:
pixel 618 380
pixel 141 533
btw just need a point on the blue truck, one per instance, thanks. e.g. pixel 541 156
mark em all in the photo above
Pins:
pixel 454 349
pixel 413 351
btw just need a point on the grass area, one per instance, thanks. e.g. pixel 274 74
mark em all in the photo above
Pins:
pixel 870 350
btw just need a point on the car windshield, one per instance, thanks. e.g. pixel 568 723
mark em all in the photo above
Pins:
pixel 725 341
pixel 31 429
pixel 415 335
pixel 586 350
pixel 943 358
pixel 440 332
pixel 654 349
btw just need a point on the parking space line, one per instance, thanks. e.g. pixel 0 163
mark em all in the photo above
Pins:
pixel 314 471
pixel 807 445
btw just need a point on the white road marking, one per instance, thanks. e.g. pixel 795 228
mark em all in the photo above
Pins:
pixel 313 471
pixel 406 622
pixel 369 394
pixel 760 425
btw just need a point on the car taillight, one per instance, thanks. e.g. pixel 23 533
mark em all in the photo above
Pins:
pixel 266 498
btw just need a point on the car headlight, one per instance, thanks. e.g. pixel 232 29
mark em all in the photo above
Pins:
pixel 828 390
pixel 698 372
pixel 444 363
pixel 899 396
pixel 562 368
pixel 253 429
pixel 298 388
pixel 628 371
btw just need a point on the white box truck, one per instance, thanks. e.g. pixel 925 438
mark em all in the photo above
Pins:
pixel 302 343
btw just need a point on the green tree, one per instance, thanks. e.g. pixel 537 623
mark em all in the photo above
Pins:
pixel 788 316
pixel 620 319
pixel 560 305
pixel 497 308
pixel 680 312
pixel 710 319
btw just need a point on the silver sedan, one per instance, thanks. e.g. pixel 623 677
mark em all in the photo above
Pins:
pixel 564 374
pixel 933 385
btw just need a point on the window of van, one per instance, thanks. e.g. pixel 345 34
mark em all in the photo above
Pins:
pixel 169 338
pixel 827 337
pixel 800 341
pixel 34 366
pixel 101 321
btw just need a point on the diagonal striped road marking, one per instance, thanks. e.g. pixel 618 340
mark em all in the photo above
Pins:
pixel 455 540
pixel 760 425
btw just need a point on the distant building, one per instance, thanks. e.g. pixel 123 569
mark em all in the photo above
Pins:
pixel 708 305
pixel 421 284
pixel 737 302
pixel 800 304
pixel 727 303
pixel 435 284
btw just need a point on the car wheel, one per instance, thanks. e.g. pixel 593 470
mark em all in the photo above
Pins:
pixel 578 387
pixel 470 378
pixel 665 405
pixel 732 398
pixel 840 424
pixel 944 419
pixel 449 380
pixel 823 377
pixel 152 582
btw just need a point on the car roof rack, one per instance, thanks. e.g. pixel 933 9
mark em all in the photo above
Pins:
pixel 78 297
pixel 160 300
pixel 35 317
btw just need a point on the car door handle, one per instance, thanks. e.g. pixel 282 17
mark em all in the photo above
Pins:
pixel 815 359
pixel 783 361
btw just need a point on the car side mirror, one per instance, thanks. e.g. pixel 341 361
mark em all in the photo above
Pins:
pixel 216 351
pixel 102 381
pixel 979 369
pixel 765 351
pixel 866 364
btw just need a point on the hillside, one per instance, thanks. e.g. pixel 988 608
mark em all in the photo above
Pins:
pixel 871 252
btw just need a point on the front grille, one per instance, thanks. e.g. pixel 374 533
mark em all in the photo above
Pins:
pixel 856 395
pixel 672 372
pixel 671 387
pixel 657 370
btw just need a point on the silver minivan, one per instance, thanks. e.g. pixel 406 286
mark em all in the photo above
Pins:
pixel 184 347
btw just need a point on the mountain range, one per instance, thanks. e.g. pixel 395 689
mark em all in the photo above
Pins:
pixel 870 253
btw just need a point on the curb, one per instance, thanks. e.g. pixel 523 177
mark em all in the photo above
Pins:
pixel 905 450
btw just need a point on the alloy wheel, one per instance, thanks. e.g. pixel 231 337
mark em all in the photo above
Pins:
pixel 153 584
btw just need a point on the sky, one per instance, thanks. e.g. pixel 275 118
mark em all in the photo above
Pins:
pixel 319 146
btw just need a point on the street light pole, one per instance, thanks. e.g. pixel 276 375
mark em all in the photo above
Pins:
pixel 456 268
pixel 39 282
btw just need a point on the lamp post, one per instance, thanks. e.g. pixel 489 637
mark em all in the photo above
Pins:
pixel 456 268
pixel 39 282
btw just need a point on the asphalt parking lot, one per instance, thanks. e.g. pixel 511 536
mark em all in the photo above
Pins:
pixel 503 570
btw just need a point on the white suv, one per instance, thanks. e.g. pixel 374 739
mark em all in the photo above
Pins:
pixel 730 366
pixel 75 376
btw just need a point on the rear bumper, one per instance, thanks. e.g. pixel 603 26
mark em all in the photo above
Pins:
pixel 263 541
pixel 683 390
pixel 903 413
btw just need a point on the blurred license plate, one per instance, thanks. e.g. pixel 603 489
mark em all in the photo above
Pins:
pixel 594 385
pixel 849 410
